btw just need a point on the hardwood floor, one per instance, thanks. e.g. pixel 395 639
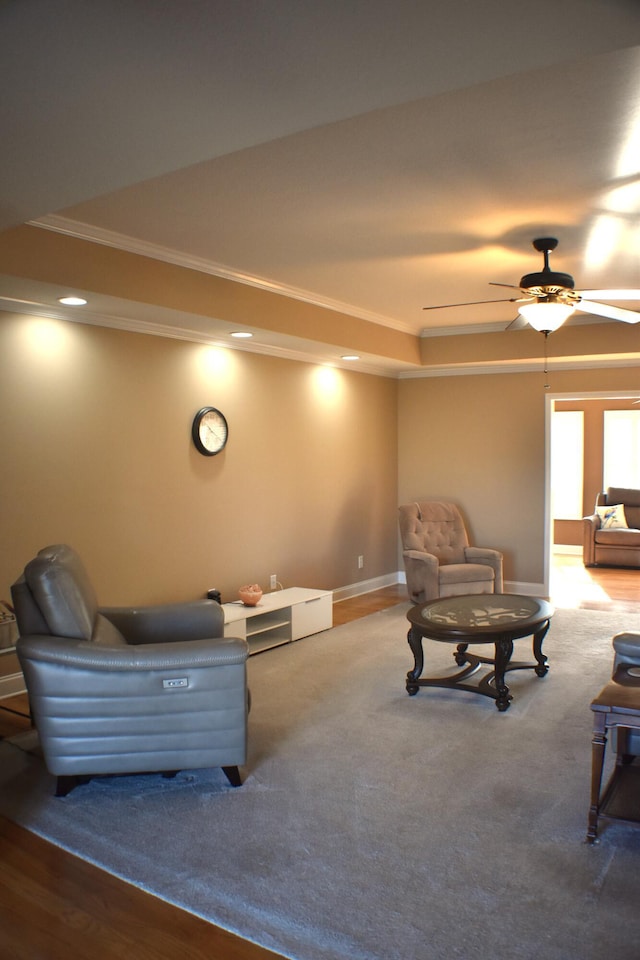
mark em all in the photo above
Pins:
pixel 594 588
pixel 362 606
pixel 54 905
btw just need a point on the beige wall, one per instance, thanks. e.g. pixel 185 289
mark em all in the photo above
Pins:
pixel 480 441
pixel 477 441
pixel 96 451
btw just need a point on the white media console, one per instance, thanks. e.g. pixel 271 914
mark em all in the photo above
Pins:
pixel 280 617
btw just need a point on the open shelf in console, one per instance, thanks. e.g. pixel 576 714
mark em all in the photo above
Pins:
pixel 280 617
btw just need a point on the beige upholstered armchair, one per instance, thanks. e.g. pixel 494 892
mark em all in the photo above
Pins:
pixel 126 690
pixel 438 559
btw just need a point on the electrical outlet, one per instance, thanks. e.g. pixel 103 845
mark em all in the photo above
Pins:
pixel 360 562
pixel 273 581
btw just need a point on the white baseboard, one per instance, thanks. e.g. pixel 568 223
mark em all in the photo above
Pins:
pixel 390 579
pixel 366 586
pixel 524 589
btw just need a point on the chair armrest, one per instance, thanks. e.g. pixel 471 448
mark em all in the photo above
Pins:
pixel 492 558
pixel 626 648
pixel 218 652
pixel 478 554
pixel 421 556
pixel 422 571
pixel 168 622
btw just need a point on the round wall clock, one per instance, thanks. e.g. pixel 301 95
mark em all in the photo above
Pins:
pixel 210 431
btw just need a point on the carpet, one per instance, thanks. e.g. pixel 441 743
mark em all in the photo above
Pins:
pixel 373 825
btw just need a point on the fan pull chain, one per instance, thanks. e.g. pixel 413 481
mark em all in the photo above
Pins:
pixel 546 359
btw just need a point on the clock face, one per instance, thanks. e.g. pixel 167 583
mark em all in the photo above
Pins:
pixel 210 431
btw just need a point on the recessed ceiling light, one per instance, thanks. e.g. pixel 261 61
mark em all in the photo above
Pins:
pixel 241 334
pixel 72 301
pixel 351 356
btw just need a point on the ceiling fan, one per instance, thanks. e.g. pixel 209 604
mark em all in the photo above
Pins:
pixel 548 298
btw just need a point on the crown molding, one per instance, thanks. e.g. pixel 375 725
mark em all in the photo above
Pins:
pixel 460 331
pixel 292 351
pixel 499 327
pixel 173 332
pixel 143 248
pixel 522 366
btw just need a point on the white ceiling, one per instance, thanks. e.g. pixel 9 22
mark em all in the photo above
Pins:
pixel 368 155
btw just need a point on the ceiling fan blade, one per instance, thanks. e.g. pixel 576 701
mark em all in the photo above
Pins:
pixel 511 286
pixel 518 323
pixel 610 294
pixel 606 310
pixel 471 303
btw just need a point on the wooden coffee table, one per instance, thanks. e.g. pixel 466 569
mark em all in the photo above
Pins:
pixel 495 618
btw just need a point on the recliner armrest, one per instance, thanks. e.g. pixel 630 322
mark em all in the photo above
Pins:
pixel 422 571
pixel 168 622
pixel 478 554
pixel 626 648
pixel 492 558
pixel 429 558
pixel 219 651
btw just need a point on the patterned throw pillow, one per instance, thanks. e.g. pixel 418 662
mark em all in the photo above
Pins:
pixel 612 516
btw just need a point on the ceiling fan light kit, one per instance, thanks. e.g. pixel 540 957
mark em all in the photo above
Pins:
pixel 546 315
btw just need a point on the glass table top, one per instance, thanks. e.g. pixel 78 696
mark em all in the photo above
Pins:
pixel 481 611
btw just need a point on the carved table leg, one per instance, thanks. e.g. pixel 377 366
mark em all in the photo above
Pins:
pixel 504 649
pixel 415 642
pixel 543 663
pixel 460 654
pixel 598 746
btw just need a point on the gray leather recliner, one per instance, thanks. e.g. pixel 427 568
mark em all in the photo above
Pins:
pixel 126 689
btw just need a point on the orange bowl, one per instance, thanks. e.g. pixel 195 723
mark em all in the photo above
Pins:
pixel 250 594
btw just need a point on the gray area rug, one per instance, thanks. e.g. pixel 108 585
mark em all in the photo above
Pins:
pixel 376 825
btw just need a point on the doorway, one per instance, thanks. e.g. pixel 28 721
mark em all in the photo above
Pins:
pixel 594 404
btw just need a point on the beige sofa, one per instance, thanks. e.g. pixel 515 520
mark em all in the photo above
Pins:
pixel 606 540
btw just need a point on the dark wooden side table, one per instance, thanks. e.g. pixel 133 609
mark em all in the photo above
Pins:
pixel 617 706
pixel 495 618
